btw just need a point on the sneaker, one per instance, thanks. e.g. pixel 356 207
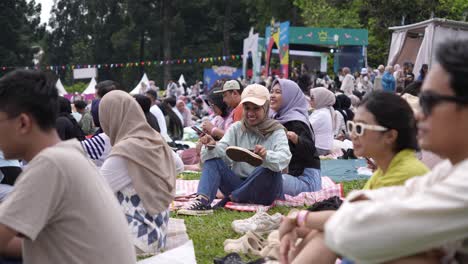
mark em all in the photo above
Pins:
pixel 261 223
pixel 222 203
pixel 243 155
pixel 199 206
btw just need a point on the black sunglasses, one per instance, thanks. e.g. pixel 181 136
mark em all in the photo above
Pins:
pixel 428 100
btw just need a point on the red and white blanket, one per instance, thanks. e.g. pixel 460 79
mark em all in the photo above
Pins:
pixel 186 188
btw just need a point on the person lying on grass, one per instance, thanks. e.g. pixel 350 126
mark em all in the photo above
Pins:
pixel 289 107
pixel 423 221
pixel 239 181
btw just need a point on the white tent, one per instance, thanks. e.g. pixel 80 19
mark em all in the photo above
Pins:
pixel 91 87
pixel 181 80
pixel 144 80
pixel 418 42
pixel 61 90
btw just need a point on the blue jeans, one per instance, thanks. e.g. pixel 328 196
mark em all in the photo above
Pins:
pixel 310 181
pixel 262 186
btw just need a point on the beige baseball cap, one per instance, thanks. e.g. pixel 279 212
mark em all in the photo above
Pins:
pixel 256 94
pixel 229 86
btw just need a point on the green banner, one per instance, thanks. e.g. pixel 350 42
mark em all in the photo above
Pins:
pixel 328 36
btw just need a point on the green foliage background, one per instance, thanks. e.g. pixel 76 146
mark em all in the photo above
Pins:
pixel 117 31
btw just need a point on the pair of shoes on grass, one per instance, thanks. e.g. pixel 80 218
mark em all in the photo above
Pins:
pixel 261 223
pixel 254 244
pixel 201 206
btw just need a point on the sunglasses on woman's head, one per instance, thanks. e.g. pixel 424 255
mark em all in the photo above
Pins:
pixel 359 128
pixel 429 100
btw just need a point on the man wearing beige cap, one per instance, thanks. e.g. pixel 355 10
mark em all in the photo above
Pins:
pixel 244 176
pixel 232 91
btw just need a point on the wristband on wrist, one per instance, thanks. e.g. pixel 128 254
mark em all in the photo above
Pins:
pixel 301 217
pixel 213 130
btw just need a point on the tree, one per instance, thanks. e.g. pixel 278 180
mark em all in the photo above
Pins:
pixel 336 14
pixel 21 31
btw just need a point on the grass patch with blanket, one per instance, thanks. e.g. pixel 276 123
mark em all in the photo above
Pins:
pixel 209 232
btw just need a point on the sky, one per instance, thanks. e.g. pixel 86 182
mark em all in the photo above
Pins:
pixel 46 8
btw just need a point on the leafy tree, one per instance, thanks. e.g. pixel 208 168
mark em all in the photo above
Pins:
pixel 335 14
pixel 21 32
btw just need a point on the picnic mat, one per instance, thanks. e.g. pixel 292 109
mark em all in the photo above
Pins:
pixel 186 188
pixel 176 233
pixel 344 170
pixel 184 254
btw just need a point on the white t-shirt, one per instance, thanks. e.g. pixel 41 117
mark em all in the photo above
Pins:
pixel 156 111
pixel 321 122
pixel 347 85
pixel 115 171
pixel 66 211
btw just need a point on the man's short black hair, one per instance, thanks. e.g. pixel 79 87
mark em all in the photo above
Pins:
pixel 143 101
pixel 152 93
pixel 453 57
pixel 30 92
pixel 102 88
pixel 80 104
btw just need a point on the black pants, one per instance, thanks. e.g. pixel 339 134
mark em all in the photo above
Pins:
pixel 10 173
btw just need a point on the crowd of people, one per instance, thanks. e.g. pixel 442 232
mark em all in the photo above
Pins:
pixel 96 180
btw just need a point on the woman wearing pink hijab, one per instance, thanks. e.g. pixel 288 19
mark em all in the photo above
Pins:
pixel 185 112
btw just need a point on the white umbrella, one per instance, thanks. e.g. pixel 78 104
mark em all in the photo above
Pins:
pixel 61 90
pixel 144 80
pixel 91 87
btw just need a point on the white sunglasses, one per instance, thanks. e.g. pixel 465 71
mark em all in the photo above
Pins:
pixel 358 128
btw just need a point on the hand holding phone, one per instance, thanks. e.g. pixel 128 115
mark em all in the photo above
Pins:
pixel 208 141
pixel 200 133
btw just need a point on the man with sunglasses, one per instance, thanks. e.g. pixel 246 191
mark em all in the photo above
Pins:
pixel 425 220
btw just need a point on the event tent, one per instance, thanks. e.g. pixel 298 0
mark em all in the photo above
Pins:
pixel 144 80
pixel 61 90
pixel 181 80
pixel 418 42
pixel 91 88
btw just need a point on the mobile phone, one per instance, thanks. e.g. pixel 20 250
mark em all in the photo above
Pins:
pixel 198 130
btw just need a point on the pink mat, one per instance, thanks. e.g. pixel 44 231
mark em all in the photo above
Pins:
pixel 185 188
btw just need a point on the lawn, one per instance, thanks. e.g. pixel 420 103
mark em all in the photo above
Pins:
pixel 209 232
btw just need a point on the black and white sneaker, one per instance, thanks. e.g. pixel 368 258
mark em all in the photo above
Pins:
pixel 199 206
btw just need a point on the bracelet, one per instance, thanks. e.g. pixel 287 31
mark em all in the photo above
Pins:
pixel 302 217
pixel 212 130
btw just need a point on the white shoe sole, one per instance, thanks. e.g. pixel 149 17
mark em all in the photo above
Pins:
pixel 194 212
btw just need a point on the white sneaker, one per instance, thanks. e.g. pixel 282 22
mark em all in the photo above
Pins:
pixel 261 223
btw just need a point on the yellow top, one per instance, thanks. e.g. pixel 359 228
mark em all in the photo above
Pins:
pixel 403 166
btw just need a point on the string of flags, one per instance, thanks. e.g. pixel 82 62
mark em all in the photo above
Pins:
pixel 129 64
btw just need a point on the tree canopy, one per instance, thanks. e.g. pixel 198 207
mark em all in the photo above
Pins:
pixel 116 31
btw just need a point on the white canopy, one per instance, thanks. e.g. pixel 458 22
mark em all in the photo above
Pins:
pixel 181 80
pixel 91 87
pixel 418 42
pixel 144 80
pixel 61 90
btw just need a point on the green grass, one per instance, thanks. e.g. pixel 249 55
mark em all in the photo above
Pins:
pixel 209 232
